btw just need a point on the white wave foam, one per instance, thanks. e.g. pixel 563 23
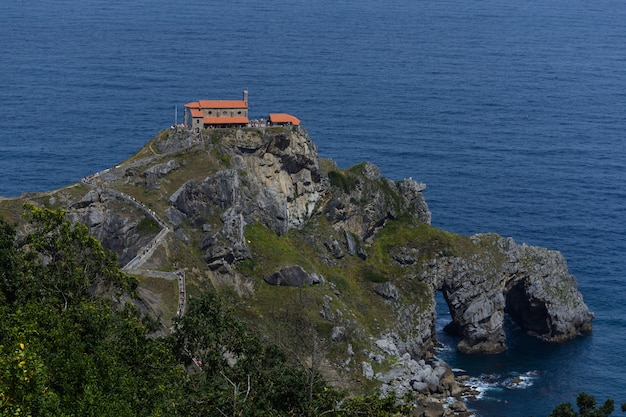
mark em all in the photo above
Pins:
pixel 522 381
pixel 481 386
pixel 444 348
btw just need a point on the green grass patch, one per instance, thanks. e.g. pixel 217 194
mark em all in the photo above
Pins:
pixel 357 169
pixel 166 289
pixel 223 158
pixel 272 251
pixel 276 129
pixel 215 135
pixel 147 226
pixel 429 240
pixel 374 275
pixel 342 180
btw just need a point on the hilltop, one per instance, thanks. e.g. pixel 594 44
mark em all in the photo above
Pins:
pixel 339 267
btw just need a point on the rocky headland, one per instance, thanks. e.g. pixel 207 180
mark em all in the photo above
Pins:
pixel 339 266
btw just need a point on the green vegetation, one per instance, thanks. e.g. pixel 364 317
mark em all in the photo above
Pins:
pixel 224 158
pixel 587 408
pixel 342 180
pixel 148 226
pixel 67 349
pixel 373 275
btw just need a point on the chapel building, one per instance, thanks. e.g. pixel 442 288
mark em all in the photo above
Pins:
pixel 212 114
pixel 204 114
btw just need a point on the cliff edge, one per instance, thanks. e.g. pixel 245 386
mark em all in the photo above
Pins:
pixel 340 266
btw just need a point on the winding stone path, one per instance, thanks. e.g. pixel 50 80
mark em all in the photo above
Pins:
pixel 133 267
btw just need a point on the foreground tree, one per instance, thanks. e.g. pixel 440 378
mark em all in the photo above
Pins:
pixel 587 408
pixel 66 349
pixel 237 373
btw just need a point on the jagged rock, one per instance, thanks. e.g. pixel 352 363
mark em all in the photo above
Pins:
pixel 407 375
pixel 458 407
pixel 370 201
pixel 183 237
pixel 387 346
pixel 543 299
pixel 290 276
pixel 338 334
pixel 412 193
pixel 273 177
pixel 351 246
pixel 315 279
pixel 93 196
pixel 405 256
pixel 162 169
pixel 95 217
pixel 388 291
pixel 175 217
pixel 368 371
pixel 116 230
pixel 334 248
pixel 153 173
pixel 531 284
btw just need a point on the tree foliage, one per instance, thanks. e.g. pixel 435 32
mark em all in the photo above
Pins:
pixel 241 374
pixel 586 408
pixel 66 349
pixel 66 263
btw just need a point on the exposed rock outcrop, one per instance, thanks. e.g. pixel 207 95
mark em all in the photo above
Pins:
pixel 364 241
pixel 275 180
pixel 293 276
pixel 112 222
pixel 531 284
pixel 363 201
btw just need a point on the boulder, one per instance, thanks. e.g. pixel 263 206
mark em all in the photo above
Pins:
pixel 388 291
pixel 291 276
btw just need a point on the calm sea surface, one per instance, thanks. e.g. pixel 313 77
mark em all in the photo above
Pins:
pixel 513 113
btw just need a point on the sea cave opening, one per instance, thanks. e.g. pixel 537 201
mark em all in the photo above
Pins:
pixel 523 317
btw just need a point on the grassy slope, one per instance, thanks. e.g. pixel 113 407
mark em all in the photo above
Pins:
pixel 282 313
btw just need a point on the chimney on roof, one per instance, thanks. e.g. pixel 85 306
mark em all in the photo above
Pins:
pixel 245 95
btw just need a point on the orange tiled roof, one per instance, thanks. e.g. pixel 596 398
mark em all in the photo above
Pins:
pixel 217 104
pixel 223 104
pixel 284 118
pixel 196 113
pixel 225 120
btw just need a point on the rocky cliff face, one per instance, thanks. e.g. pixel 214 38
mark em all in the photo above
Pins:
pixel 530 284
pixel 348 253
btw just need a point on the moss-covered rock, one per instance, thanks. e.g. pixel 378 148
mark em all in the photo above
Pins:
pixel 339 267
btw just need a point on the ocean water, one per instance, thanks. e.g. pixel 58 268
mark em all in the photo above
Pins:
pixel 513 114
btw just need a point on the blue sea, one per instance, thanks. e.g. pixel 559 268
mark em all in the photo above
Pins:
pixel 512 112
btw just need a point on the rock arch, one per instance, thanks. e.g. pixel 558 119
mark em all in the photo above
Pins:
pixel 532 285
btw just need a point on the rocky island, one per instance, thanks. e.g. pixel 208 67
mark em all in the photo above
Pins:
pixel 338 266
